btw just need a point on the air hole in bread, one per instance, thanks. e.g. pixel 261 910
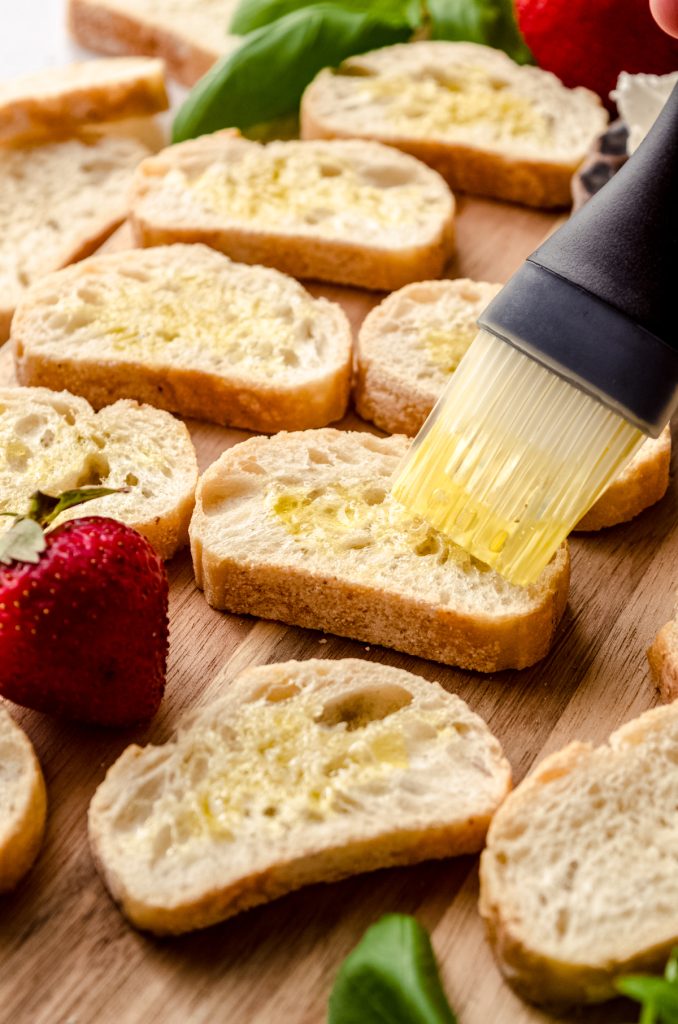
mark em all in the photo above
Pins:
pixel 387 177
pixel 97 470
pixel 370 704
pixel 276 694
pixel 374 495
pixel 17 455
pixel 318 456
pixel 330 170
pixel 88 294
pixel 28 425
pixel 216 491
pixel 250 466
pixel 131 480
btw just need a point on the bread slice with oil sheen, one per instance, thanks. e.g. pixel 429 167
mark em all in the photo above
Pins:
pixel 23 800
pixel 58 202
pixel 488 125
pixel 301 772
pixel 60 101
pixel 190 35
pixel 343 211
pixel 579 880
pixel 410 345
pixel 302 528
pixel 55 441
pixel 183 328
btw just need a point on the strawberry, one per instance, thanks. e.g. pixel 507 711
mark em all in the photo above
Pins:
pixel 588 42
pixel 83 616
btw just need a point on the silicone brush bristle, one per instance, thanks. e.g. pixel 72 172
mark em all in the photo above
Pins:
pixel 511 458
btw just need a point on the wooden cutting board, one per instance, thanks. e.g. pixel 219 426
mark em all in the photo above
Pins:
pixel 68 957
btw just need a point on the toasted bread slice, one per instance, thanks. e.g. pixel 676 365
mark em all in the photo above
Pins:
pixel 411 343
pixel 349 212
pixel 486 124
pixel 641 484
pixel 579 880
pixel 183 328
pixel 60 101
pixel 190 35
pixel 55 441
pixel 663 658
pixel 87 183
pixel 24 803
pixel 302 772
pixel 302 528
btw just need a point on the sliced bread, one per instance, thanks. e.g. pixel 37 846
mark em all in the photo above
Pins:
pixel 663 658
pixel 579 880
pixel 23 800
pixel 183 328
pixel 58 203
pixel 641 484
pixel 486 124
pixel 302 528
pixel 190 35
pixel 55 441
pixel 59 101
pixel 302 772
pixel 409 346
pixel 411 343
pixel 349 212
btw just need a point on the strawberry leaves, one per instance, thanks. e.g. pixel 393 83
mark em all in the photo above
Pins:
pixel 25 539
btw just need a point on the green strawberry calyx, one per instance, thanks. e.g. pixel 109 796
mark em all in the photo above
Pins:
pixel 25 539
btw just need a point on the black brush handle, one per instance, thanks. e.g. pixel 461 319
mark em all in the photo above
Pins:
pixel 598 301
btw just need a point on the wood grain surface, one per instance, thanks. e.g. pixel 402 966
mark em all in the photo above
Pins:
pixel 68 957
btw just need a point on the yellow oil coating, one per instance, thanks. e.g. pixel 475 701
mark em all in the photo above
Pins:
pixel 445 348
pixel 432 104
pixel 266 189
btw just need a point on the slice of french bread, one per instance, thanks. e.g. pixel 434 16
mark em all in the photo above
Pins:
pixel 60 101
pixel 302 528
pixel 302 772
pixel 55 441
pixel 183 328
pixel 486 124
pixel 23 800
pixel 579 880
pixel 411 343
pixel 663 658
pixel 190 35
pixel 349 212
pixel 58 202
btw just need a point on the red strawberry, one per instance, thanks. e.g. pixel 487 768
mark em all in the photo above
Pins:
pixel 83 617
pixel 588 42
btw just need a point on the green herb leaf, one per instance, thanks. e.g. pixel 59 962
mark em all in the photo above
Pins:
pixel 44 508
pixel 391 977
pixel 23 542
pixel 252 14
pixel 491 22
pixel 658 996
pixel 265 78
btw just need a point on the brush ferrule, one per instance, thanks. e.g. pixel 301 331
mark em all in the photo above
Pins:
pixel 589 343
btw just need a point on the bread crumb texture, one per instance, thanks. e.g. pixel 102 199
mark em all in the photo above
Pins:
pixel 579 881
pixel 295 761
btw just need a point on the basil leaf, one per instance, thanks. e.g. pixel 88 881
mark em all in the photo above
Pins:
pixel 391 977
pixel 265 77
pixel 491 22
pixel 655 994
pixel 252 14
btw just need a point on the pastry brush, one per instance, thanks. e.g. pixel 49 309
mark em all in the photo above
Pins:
pixel 575 364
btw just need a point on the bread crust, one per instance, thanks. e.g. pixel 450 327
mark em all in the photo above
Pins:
pixel 663 661
pixel 99 27
pixel 23 824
